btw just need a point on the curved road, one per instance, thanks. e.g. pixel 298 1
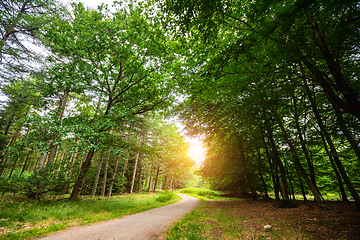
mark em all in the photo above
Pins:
pixel 145 225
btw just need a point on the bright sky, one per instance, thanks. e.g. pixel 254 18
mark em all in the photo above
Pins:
pixel 197 150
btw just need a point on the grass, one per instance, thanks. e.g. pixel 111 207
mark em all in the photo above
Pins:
pixel 225 220
pixel 206 223
pixel 25 219
pixel 204 194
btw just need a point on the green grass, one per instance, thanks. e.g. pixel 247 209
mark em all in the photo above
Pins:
pixel 204 194
pixel 229 221
pixel 221 222
pixel 24 219
pixel 205 223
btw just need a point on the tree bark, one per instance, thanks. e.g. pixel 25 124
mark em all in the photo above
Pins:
pixel 83 171
pixel 105 174
pixel 313 189
pixel 135 167
pixel 244 164
pixel 301 185
pixel 25 163
pixel 333 151
pixel 150 176
pixel 113 175
pixel 156 178
pixel 272 170
pixel 342 124
pixel 277 160
pixel 351 105
pixel 93 191
pixel 303 146
pixel 141 169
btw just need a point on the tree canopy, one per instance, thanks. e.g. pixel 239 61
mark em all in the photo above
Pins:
pixel 272 87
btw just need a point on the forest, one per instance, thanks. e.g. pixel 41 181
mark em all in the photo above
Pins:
pixel 271 87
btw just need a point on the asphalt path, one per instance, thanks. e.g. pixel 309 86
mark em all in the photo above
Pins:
pixel 145 225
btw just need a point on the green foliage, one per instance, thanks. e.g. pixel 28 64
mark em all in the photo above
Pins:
pixel 37 184
pixel 201 192
pixel 15 184
pixel 165 196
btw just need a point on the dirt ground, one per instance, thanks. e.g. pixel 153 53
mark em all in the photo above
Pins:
pixel 338 221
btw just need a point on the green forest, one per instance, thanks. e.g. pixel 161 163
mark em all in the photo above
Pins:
pixel 271 87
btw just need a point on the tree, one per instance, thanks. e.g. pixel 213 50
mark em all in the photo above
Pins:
pixel 122 57
pixel 21 27
pixel 246 67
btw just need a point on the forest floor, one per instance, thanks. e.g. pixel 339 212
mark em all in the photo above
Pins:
pixel 245 219
pixel 339 221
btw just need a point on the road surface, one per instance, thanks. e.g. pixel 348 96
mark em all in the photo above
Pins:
pixel 145 225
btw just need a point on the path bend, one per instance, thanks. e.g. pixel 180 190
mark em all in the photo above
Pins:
pixel 144 225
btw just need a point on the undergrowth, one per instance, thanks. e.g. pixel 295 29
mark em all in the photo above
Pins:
pixel 165 196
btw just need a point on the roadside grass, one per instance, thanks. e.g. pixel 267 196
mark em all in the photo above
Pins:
pixel 225 220
pixel 21 218
pixel 209 222
pixel 204 194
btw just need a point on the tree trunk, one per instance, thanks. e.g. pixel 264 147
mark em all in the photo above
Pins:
pixel 150 176
pixel 261 175
pixel 93 192
pixel 290 181
pixel 302 143
pixel 333 151
pixel 272 170
pixel 83 171
pixel 72 160
pixel 352 103
pixel 15 136
pixel 244 164
pixel 301 185
pixel 105 174
pixel 338 176
pixel 113 176
pixel 171 185
pixel 313 189
pixel 42 161
pixel 25 163
pixel 156 177
pixel 351 96
pixel 344 128
pixel 135 165
pixel 141 169
pixel 13 167
pixel 134 172
pixel 277 160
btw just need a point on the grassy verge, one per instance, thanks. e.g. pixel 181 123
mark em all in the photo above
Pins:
pixel 25 219
pixel 231 220
pixel 204 194
pixel 227 222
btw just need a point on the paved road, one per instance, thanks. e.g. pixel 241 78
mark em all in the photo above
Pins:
pixel 145 225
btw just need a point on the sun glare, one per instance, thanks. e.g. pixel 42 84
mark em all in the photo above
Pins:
pixel 196 151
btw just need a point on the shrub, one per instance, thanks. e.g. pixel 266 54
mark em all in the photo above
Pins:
pixel 165 196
